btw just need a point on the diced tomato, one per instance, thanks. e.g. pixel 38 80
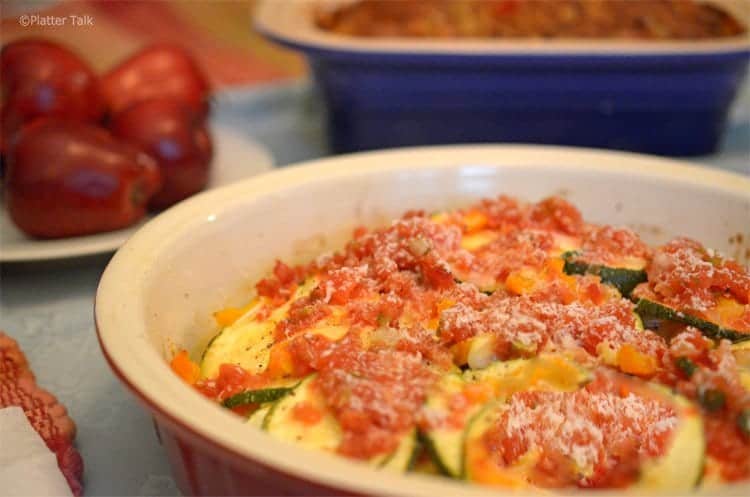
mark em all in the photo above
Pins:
pixel 726 444
pixel 609 245
pixel 284 273
pixel 232 379
pixel 436 275
pixel 407 319
pixel 303 314
pixel 685 275
pixel 557 214
pixel 596 427
pixel 282 284
pixel 359 232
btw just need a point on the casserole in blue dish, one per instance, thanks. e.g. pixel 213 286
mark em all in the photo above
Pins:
pixel 664 97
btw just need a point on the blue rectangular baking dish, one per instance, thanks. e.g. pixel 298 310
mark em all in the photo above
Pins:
pixel 669 98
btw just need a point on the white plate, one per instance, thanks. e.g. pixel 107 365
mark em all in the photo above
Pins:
pixel 236 157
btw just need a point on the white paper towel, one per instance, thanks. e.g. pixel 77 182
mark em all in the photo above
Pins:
pixel 27 466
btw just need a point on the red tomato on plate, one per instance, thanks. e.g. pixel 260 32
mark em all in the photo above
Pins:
pixel 169 131
pixel 156 72
pixel 66 178
pixel 43 79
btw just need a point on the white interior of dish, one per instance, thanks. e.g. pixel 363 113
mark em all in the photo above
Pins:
pixel 162 287
pixel 293 21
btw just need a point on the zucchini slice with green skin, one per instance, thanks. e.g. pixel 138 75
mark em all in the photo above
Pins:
pixel 477 460
pixel 546 372
pixel 256 418
pixel 325 434
pixel 741 353
pixel 403 458
pixel 479 351
pixel 445 441
pixel 625 279
pixel 473 242
pixel 280 422
pixel 259 396
pixel 680 468
pixel 650 309
pixel 247 342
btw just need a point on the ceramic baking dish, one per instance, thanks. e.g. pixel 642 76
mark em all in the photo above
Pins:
pixel 159 291
pixel 667 97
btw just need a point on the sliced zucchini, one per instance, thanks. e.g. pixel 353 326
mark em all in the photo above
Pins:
pixel 424 463
pixel 256 418
pixel 546 372
pixel 258 396
pixel 479 351
pixel 624 277
pixel 711 479
pixel 678 469
pixel 245 345
pixel 445 442
pixel 743 422
pixel 648 309
pixel 281 422
pixel 403 458
pixel 681 468
pixel 325 433
pixel 564 244
pixel 478 462
pixel 247 342
pixel 741 353
pixel 489 284
pixel 485 283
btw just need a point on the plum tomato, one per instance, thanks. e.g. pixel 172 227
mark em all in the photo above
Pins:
pixel 41 78
pixel 66 178
pixel 158 71
pixel 171 133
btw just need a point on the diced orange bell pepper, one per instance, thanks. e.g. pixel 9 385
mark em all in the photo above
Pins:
pixel 518 283
pixel 228 316
pixel 474 221
pixel 477 393
pixel 444 304
pixel 632 361
pixel 554 265
pixel 185 368
pixel 460 352
pixel 280 363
